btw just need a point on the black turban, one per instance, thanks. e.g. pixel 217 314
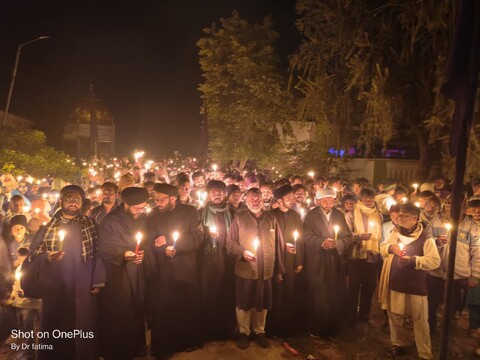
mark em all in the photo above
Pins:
pixel 282 191
pixel 166 189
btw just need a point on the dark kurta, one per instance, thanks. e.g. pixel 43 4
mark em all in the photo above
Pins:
pixel 287 295
pixel 217 291
pixel 326 288
pixel 68 304
pixel 174 295
pixel 121 303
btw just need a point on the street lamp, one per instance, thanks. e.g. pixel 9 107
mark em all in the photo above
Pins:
pixel 9 97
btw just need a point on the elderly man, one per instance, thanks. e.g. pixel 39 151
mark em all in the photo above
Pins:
pixel 122 327
pixel 65 272
pixel 256 243
pixel 175 235
pixel 410 253
pixel 365 222
pixel 216 267
pixel 327 237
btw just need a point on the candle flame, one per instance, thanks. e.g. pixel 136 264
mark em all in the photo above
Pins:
pixel 26 209
pixel 213 229
pixel 175 236
pixel 295 235
pixel 336 228
pixel 255 244
pixel 448 226
pixel 417 204
pixel 311 174
pixel 18 275
pixel 404 200
pixel 401 246
pixel 61 235
pixel 139 237
pixel 415 186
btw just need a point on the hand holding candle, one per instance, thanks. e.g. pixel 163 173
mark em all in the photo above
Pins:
pixel 401 246
pixel 213 235
pixel 138 237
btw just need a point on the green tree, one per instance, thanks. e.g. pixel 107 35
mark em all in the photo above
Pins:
pixel 244 94
pixel 369 72
pixel 24 151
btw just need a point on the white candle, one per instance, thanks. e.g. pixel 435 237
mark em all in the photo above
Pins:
pixel 214 167
pixel 448 226
pixel 256 243
pixel 404 200
pixel 415 186
pixel 336 229
pixel 295 237
pixel 61 236
pixel 371 224
pixel 311 174
pixel 175 236
pixel 138 236
pixel 213 229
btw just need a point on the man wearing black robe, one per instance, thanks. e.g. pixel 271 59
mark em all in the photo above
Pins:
pixel 175 235
pixel 67 275
pixel 256 243
pixel 217 300
pixel 121 303
pixel 283 319
pixel 325 268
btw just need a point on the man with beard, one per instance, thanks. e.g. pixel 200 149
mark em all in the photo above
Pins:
pixel 365 222
pixel 66 274
pixel 283 319
pixel 431 209
pixel 122 325
pixel 299 196
pixel 409 253
pixel 327 237
pixel 267 195
pixel 254 240
pixel 216 267
pixel 234 199
pixel 175 235
pixel 109 202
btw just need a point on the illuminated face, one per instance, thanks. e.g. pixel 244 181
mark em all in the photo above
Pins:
pixel 235 197
pixel 199 182
pixel 327 204
pixel 18 231
pixel 300 195
pixel 349 205
pixel 288 201
pixel 394 218
pixel 22 187
pixel 431 208
pixel 71 204
pixel 184 189
pixel 254 202
pixel 369 202
pixel 108 195
pixel 137 210
pixel 357 188
pixel 216 196
pixel 164 202
pixel 407 221
pixel 267 193
pixel 474 213
pixel 439 184
pixel 17 206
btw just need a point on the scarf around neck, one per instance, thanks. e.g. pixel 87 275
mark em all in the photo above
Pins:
pixel 210 210
pixel 359 227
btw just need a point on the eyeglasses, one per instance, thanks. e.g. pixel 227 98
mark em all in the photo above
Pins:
pixel 72 201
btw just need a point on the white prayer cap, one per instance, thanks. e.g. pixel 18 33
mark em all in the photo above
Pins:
pixel 327 192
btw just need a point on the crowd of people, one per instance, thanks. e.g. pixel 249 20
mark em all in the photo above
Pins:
pixel 197 255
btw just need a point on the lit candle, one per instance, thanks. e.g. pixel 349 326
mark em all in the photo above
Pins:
pixel 404 200
pixel 415 186
pixel 204 196
pixel 417 204
pixel 97 193
pixel 175 238
pixel 311 174
pixel 44 196
pixel 309 201
pixel 26 209
pixel 302 213
pixel 336 229
pixel 256 243
pixel 214 167
pixel 18 275
pixel 37 211
pixel 138 236
pixel 295 237
pixel 402 247
pixel 448 226
pixel 371 224
pixel 213 229
pixel 19 178
pixel 61 236
pixel 148 210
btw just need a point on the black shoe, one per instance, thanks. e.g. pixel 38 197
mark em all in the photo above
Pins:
pixel 242 341
pixel 262 341
pixel 395 351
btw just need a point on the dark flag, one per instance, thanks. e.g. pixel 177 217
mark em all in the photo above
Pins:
pixel 461 86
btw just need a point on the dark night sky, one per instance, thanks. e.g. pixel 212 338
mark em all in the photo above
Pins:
pixel 139 54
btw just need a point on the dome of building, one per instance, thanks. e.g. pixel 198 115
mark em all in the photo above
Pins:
pixel 81 113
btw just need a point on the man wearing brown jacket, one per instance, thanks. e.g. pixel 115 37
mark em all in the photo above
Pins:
pixel 257 245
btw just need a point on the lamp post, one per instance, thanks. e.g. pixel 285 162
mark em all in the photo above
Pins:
pixel 9 97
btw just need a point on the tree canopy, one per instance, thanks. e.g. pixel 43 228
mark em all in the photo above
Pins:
pixel 245 96
pixel 25 151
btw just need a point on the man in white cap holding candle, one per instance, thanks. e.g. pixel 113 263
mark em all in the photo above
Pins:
pixel 327 238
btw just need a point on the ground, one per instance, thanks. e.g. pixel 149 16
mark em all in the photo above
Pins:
pixel 364 342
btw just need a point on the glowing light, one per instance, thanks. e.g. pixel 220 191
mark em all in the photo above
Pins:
pixel 61 236
pixel 295 236
pixel 417 204
pixel 404 200
pixel 26 209
pixel 138 237
pixel 415 186
pixel 311 174
pixel 336 229
pixel 256 243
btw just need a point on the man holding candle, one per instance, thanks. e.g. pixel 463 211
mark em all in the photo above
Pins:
pixel 403 283
pixel 67 280
pixel 121 303
pixel 283 319
pixel 174 292
pixel 216 267
pixel 326 292
pixel 255 267
pixel 365 222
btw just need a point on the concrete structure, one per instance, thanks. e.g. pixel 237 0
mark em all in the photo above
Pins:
pixel 90 130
